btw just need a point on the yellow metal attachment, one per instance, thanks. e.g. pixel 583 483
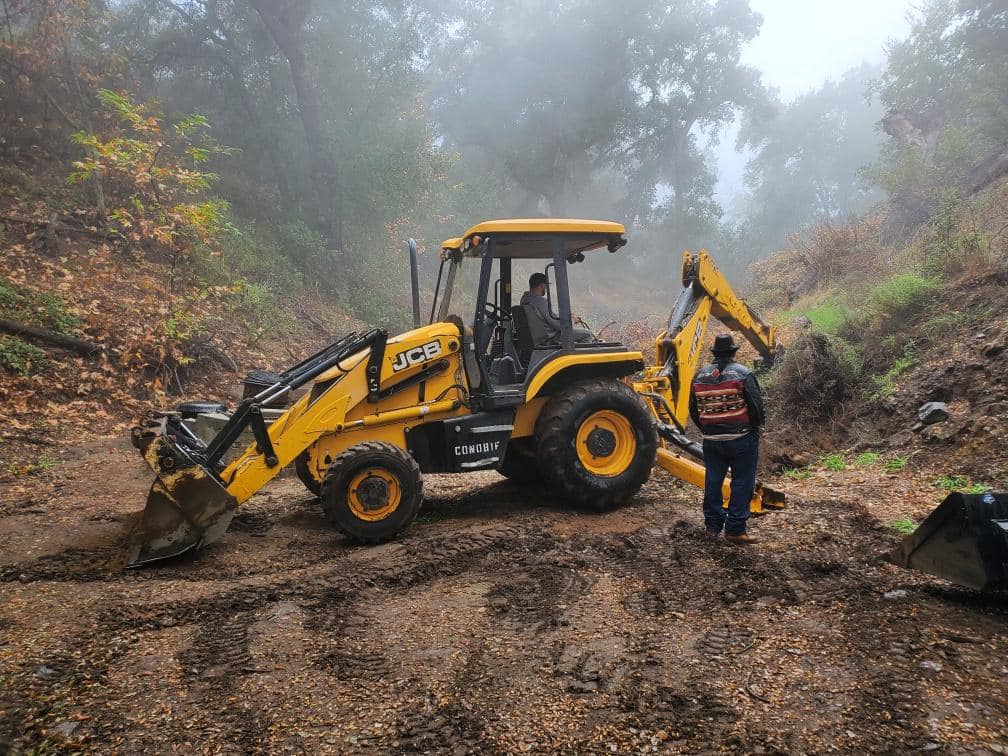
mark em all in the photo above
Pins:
pixel 605 443
pixel 374 494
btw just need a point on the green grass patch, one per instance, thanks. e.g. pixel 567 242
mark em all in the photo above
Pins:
pixel 798 473
pixel 828 317
pixel 41 465
pixel 959 483
pixel 885 385
pixel 895 464
pixel 18 356
pixel 904 525
pixel 867 458
pixel 835 462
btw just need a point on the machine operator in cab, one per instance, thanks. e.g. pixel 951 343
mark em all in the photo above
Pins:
pixel 727 406
pixel 535 298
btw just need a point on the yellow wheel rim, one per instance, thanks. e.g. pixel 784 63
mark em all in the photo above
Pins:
pixel 374 494
pixel 606 444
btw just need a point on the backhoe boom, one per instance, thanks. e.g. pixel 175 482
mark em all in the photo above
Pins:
pixel 666 384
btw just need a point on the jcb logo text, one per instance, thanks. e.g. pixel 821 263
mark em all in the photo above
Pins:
pixel 416 355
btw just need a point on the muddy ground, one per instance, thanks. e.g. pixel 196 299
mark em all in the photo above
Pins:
pixel 500 622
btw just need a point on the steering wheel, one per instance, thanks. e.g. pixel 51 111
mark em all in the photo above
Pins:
pixel 495 313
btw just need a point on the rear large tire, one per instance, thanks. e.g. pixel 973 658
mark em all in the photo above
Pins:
pixel 519 464
pixel 596 443
pixel 372 491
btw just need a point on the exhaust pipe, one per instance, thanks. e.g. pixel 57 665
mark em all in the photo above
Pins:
pixel 414 281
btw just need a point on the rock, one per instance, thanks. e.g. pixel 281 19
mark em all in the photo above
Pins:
pixel 896 594
pixel 66 728
pixel 933 412
pixel 931 666
pixel 803 322
pixel 930 747
pixel 43 672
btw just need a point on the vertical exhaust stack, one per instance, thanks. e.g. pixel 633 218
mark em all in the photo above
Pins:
pixel 414 281
pixel 964 540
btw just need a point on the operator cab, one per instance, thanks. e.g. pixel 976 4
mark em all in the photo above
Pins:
pixel 509 342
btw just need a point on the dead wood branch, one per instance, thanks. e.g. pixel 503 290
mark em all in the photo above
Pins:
pixel 87 348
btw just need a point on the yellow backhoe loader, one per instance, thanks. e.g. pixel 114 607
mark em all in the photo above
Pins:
pixel 497 392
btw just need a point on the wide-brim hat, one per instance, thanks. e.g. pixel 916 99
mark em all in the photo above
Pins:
pixel 724 344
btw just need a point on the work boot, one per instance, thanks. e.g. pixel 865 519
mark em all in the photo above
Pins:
pixel 743 538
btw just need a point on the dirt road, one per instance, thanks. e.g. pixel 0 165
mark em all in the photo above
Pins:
pixel 501 622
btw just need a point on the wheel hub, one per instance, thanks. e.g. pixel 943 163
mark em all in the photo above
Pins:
pixel 601 442
pixel 373 493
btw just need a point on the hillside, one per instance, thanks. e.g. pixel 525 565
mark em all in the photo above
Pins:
pixel 874 330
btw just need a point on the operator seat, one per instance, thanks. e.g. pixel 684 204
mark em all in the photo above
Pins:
pixel 529 331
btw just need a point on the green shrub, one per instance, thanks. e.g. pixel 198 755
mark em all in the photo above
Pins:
pixel 903 296
pixel 867 458
pixel 258 305
pixel 834 462
pixel 904 525
pixel 38 308
pixel 246 256
pixel 19 356
pixel 817 373
pixel 895 464
pixel 950 482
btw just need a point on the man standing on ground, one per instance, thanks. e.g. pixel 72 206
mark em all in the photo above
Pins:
pixel 727 406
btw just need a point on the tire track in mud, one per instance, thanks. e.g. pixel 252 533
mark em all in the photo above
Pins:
pixel 539 583
pixel 223 620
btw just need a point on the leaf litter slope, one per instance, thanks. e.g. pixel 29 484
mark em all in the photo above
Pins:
pixel 502 622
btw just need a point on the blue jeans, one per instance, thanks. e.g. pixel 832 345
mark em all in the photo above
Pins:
pixel 740 455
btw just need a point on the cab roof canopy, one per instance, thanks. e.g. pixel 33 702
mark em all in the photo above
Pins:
pixel 533 237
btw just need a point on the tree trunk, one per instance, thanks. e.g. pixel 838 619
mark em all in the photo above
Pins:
pixel 285 26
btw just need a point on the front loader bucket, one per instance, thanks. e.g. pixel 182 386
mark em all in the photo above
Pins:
pixel 187 506
pixel 964 540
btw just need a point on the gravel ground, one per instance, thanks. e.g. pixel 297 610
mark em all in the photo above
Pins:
pixel 501 622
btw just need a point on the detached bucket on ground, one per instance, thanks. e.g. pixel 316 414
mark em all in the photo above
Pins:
pixel 964 540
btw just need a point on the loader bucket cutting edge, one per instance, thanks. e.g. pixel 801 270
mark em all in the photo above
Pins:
pixel 186 509
pixel 964 540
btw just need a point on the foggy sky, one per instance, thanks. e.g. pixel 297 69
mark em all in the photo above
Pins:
pixel 804 42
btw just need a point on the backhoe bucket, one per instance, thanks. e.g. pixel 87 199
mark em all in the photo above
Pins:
pixel 187 506
pixel 964 540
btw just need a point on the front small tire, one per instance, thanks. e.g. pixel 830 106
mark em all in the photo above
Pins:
pixel 597 443
pixel 372 491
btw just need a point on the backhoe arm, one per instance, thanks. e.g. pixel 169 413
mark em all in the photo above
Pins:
pixel 666 384
pixel 706 292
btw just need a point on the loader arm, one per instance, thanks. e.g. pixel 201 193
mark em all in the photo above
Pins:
pixel 679 347
pixel 363 381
